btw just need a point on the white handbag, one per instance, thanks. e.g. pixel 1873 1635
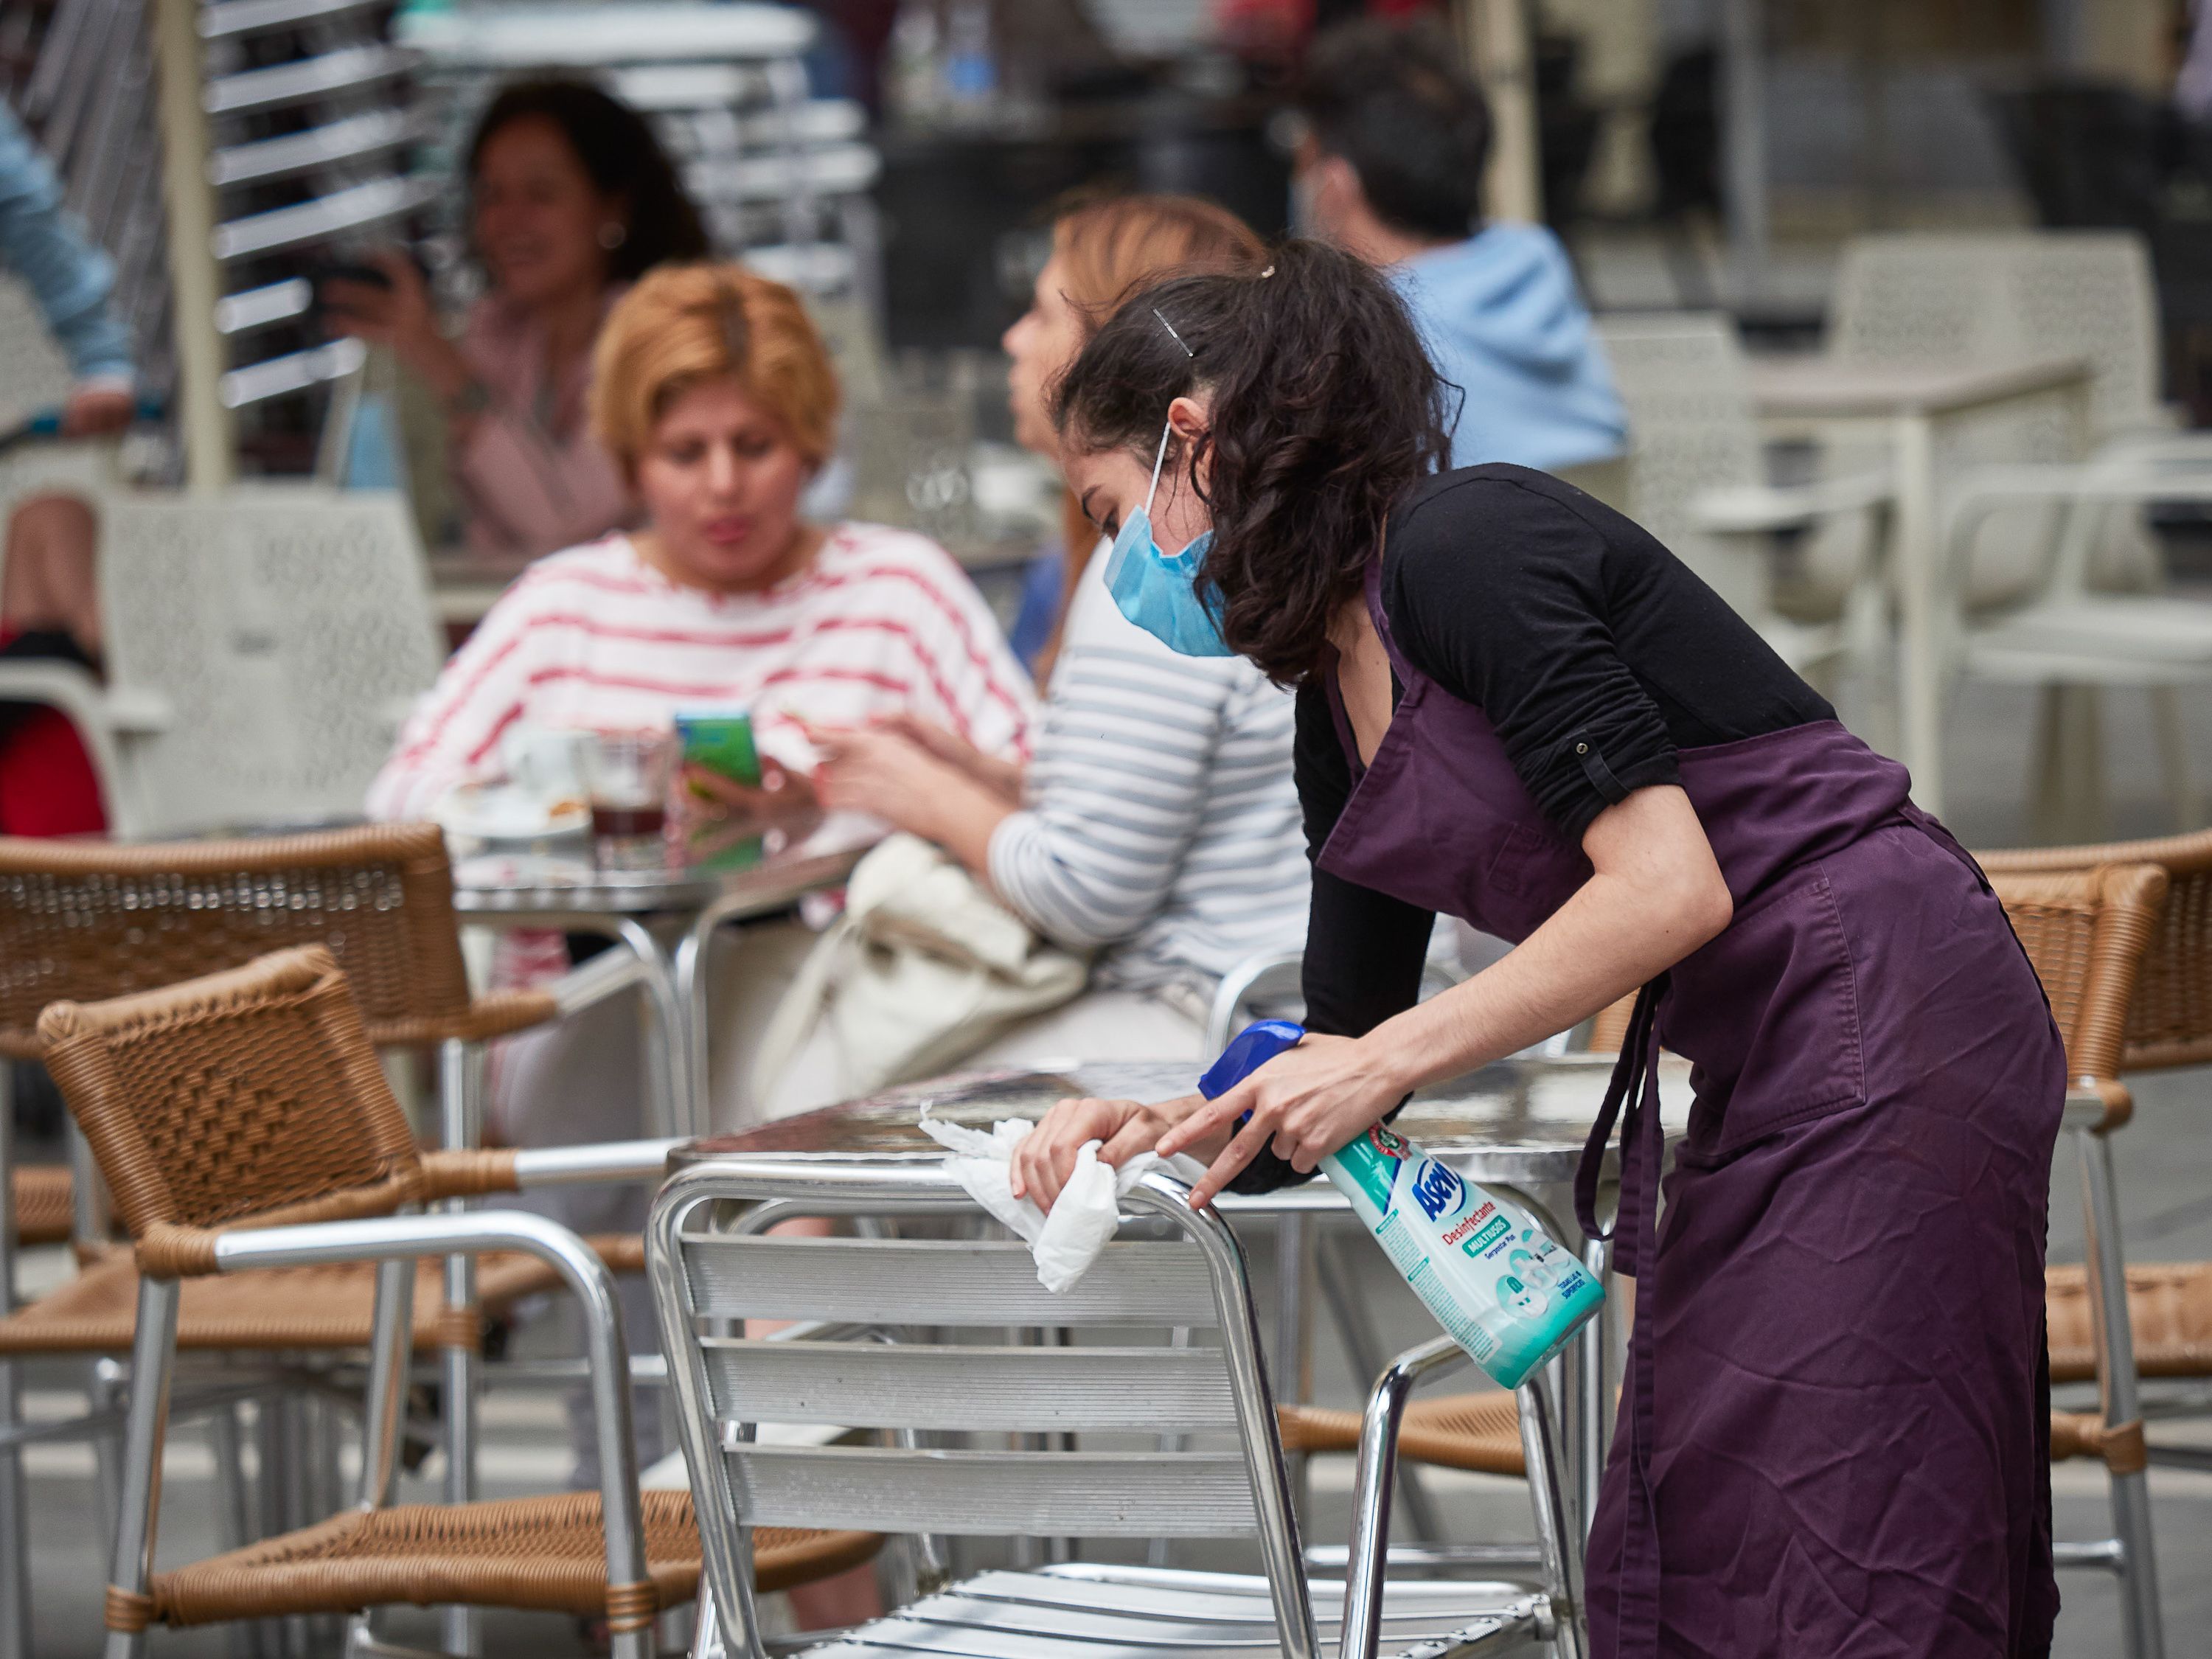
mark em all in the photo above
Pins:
pixel 924 968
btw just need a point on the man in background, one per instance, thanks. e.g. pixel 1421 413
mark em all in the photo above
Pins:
pixel 1390 168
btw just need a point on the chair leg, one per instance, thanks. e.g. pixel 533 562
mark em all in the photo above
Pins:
pixel 1555 1533
pixel 461 1125
pixel 153 1368
pixel 1355 1328
pixel 15 1518
pixel 2174 757
pixel 2143 1629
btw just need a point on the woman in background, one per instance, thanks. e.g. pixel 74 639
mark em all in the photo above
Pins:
pixel 570 200
pixel 1157 823
pixel 716 400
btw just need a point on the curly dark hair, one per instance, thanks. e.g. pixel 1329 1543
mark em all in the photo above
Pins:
pixel 1325 410
pixel 618 151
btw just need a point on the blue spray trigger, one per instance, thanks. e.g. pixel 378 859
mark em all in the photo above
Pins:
pixel 1247 1051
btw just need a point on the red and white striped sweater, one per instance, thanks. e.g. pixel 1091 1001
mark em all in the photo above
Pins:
pixel 596 639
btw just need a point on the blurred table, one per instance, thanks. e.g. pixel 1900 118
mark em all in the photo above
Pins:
pixel 1906 401
pixel 1517 1125
pixel 738 875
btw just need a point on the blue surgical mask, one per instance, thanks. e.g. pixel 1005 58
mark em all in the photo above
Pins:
pixel 1158 591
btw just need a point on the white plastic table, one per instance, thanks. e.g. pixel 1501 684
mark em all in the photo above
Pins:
pixel 1906 402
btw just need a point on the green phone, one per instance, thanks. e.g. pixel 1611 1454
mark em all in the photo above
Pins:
pixel 721 741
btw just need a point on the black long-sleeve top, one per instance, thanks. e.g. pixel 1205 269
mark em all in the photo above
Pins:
pixel 1567 624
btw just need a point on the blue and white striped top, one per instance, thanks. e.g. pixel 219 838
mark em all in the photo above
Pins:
pixel 1162 822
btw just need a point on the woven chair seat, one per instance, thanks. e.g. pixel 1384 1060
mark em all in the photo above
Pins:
pixel 543 1554
pixel 43 1208
pixel 2169 1309
pixel 1477 1432
pixel 281 1308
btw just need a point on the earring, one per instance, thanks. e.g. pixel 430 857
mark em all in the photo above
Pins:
pixel 612 235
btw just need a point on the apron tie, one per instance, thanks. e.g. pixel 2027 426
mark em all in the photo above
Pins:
pixel 1631 1099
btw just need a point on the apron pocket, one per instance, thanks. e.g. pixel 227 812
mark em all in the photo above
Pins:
pixel 1770 1013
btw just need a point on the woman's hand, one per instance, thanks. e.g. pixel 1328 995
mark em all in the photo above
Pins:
pixel 1305 1103
pixel 1002 777
pixel 705 797
pixel 1044 1157
pixel 878 771
pixel 400 316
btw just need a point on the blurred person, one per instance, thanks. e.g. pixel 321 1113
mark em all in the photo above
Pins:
pixel 715 398
pixel 1157 823
pixel 715 401
pixel 49 602
pixel 570 200
pixel 1390 169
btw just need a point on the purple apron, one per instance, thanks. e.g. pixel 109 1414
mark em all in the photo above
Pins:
pixel 1835 1430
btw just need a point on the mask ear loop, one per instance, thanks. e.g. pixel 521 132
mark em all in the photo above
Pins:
pixel 1159 460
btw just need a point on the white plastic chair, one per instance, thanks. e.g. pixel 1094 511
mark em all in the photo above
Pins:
pixel 1174 1439
pixel 263 645
pixel 1999 296
pixel 1698 482
pixel 2063 636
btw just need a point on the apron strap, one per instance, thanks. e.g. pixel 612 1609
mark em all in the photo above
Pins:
pixel 1632 1100
pixel 1638 1048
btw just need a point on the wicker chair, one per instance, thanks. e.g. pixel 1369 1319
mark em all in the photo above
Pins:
pixel 2169 1024
pixel 2088 931
pixel 89 921
pixel 242 1120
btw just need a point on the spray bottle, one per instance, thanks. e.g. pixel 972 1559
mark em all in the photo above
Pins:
pixel 1493 1279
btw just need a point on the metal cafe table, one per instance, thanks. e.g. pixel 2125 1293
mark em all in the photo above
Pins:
pixel 1517 1125
pixel 738 875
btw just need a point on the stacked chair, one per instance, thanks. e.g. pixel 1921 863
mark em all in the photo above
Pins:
pixel 944 1348
pixel 88 920
pixel 243 1122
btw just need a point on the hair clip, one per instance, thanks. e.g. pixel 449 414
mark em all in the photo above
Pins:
pixel 1172 335
pixel 1266 274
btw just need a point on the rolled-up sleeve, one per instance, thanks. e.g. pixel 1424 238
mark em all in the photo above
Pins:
pixel 66 272
pixel 1516 623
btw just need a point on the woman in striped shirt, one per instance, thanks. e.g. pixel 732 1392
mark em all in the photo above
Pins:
pixel 715 394
pixel 1157 821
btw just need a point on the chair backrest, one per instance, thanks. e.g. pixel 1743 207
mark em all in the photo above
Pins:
pixel 1691 429
pixel 2085 931
pixel 271 639
pixel 90 919
pixel 957 1369
pixel 1918 296
pixel 252 1093
pixel 2170 1014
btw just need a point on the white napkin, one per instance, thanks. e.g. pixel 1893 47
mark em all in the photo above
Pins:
pixel 1066 1242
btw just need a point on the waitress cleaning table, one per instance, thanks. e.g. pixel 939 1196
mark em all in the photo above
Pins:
pixel 1516 708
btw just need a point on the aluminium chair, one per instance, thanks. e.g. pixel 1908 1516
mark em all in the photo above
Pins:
pixel 243 1122
pixel 1164 1441
pixel 87 921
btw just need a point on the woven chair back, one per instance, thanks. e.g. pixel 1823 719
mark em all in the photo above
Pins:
pixel 2170 1016
pixel 2085 931
pixel 87 921
pixel 251 1093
